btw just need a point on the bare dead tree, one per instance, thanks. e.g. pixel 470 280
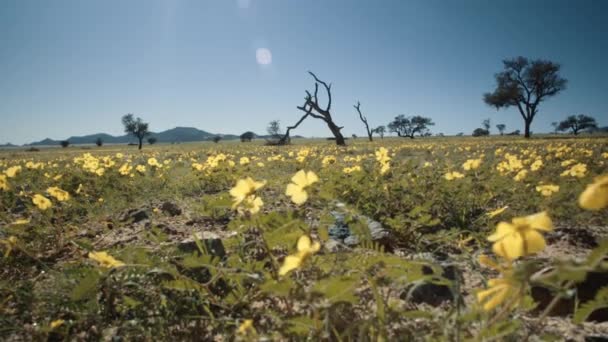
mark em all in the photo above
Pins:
pixel 311 107
pixel 286 139
pixel 364 120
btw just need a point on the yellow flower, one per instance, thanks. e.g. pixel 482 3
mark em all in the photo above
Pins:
pixel 595 196
pixel 500 289
pixel 384 160
pixel 327 160
pixel 520 175
pixel 125 169
pixel 12 171
pixel 497 212
pixel 521 237
pixel 427 164
pixel 154 163
pixel 3 183
pixel 471 164
pixel 536 165
pixel 10 244
pixel 301 180
pixel 244 161
pixel 79 190
pixel 57 323
pixel 59 194
pixel 20 222
pixel 140 168
pixel 348 170
pixel 246 328
pixel 41 202
pixel 105 260
pixel 244 196
pixel 453 175
pixel 547 189
pixel 243 188
pixel 579 170
pixel 306 248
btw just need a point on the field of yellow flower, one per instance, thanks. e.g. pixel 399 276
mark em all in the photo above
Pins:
pixel 430 239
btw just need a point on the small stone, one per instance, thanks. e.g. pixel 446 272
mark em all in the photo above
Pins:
pixel 212 243
pixel 351 241
pixel 171 209
pixel 333 246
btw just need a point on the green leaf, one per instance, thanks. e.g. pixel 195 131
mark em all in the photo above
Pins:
pixel 586 309
pixel 86 287
pixel 337 289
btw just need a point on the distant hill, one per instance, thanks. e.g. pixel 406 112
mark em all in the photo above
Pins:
pixel 7 145
pixel 174 135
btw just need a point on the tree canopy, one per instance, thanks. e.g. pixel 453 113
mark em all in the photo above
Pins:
pixel 410 126
pixel 577 123
pixel 137 127
pixel 525 84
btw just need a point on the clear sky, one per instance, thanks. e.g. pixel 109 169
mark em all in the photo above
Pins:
pixel 75 67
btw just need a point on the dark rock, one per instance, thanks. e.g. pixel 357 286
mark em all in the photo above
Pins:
pixel 19 207
pixel 211 242
pixel 585 291
pixel 171 209
pixel 433 291
pixel 134 215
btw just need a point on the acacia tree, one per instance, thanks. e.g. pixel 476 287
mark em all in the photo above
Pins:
pixel 525 84
pixel 311 107
pixel 274 129
pixel 408 127
pixel 380 130
pixel 364 120
pixel 501 128
pixel 486 124
pixel 137 127
pixel 577 123
pixel 247 136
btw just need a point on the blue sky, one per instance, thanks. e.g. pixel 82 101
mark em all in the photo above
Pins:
pixel 75 67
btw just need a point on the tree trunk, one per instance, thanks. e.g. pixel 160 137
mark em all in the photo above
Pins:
pixel 527 128
pixel 335 130
pixel 140 142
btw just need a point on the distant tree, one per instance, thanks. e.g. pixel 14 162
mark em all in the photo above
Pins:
pixel 515 132
pixel 525 84
pixel 380 130
pixel 311 107
pixel 64 143
pixel 460 134
pixel 577 123
pixel 364 120
pixel 440 135
pixel 274 129
pixel 99 142
pixel 410 126
pixel 501 128
pixel 480 132
pixel 486 124
pixel 152 140
pixel 136 127
pixel 247 136
pixel 354 136
pixel 216 139
pixel 555 124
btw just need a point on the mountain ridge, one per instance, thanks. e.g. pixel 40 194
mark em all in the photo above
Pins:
pixel 174 135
